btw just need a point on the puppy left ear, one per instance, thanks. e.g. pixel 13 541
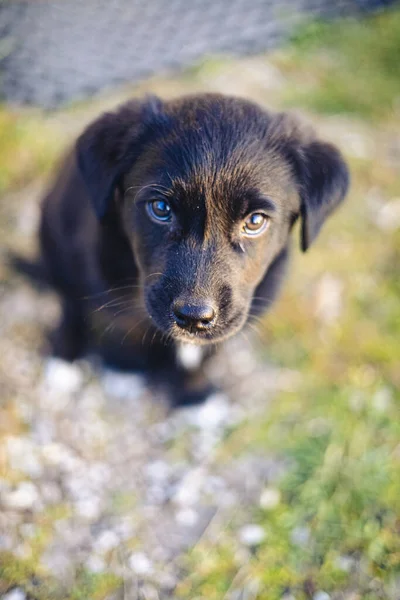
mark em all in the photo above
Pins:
pixel 108 148
pixel 324 179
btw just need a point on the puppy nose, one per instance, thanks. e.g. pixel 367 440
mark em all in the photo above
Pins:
pixel 193 316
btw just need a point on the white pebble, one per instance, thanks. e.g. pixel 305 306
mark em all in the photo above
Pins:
pixel 344 563
pixel 23 456
pixel 59 562
pixel 123 386
pixel 24 497
pixel 300 536
pixel 95 564
pixel 251 535
pixel 321 596
pixel 106 541
pixel 28 530
pixel 382 400
pixel 388 217
pixel 61 456
pixel 187 517
pixel 15 594
pixel 270 498
pixel 6 542
pixel 88 508
pixel 328 298
pixel 140 564
pixel 189 488
pixel 50 493
pixel 158 471
pixel 213 413
pixel 61 376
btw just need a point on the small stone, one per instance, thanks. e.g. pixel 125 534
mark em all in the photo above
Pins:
pixel 62 457
pixel 252 535
pixel 358 145
pixel 270 498
pixel 382 400
pixel 214 413
pixel 24 497
pixel 95 564
pixel 300 536
pixel 51 493
pixel 59 562
pixel 15 594
pixel 345 563
pixel 23 456
pixel 318 426
pixel 28 530
pixel 123 386
pixel 190 486
pixel 61 376
pixel 388 217
pixel 23 551
pixel 158 471
pixel 125 529
pixel 6 542
pixel 88 508
pixel 167 581
pixel 149 592
pixel 321 596
pixel 140 564
pixel 357 401
pixel 106 541
pixel 187 517
pixel 328 298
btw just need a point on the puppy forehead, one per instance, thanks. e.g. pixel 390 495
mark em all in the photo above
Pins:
pixel 214 164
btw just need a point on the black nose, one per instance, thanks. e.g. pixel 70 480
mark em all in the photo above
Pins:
pixel 193 316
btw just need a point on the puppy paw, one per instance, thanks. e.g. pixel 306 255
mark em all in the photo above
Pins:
pixel 192 397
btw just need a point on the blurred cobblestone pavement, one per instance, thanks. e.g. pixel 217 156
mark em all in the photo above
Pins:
pixel 55 52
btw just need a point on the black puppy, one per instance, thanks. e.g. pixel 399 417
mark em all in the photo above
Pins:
pixel 170 218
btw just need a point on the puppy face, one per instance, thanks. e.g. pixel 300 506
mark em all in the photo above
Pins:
pixel 208 189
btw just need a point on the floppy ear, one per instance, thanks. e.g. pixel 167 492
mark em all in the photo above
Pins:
pixel 108 147
pixel 324 179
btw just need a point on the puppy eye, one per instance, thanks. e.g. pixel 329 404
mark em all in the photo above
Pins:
pixel 255 224
pixel 159 210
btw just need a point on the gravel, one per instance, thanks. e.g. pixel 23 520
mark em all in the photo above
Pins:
pixel 252 535
pixel 132 485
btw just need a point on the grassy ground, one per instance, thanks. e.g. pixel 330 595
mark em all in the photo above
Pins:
pixel 332 522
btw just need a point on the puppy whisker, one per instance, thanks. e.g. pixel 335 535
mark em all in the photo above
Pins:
pixel 112 304
pixel 132 329
pixel 111 290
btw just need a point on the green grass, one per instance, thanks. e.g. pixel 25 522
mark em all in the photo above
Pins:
pixel 25 574
pixel 29 144
pixel 350 67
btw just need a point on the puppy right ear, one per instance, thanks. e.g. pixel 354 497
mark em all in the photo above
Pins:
pixel 108 148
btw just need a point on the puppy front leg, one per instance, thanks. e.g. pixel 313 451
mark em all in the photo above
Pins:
pixel 68 340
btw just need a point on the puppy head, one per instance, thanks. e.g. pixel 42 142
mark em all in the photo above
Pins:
pixel 208 188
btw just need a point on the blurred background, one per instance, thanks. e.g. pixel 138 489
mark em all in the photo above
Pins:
pixel 287 485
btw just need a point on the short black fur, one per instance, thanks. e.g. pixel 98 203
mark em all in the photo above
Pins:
pixel 136 287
